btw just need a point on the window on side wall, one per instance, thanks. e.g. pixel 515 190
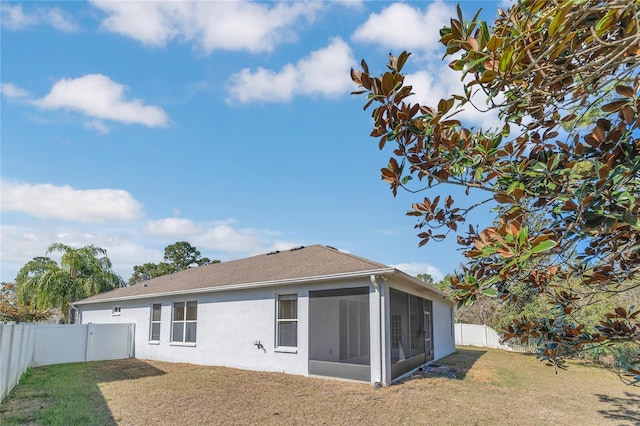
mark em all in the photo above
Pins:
pixel 184 323
pixel 154 327
pixel 287 321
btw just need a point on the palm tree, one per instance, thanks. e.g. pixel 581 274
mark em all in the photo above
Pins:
pixel 83 272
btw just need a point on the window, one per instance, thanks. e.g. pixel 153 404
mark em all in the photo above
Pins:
pixel 287 320
pixel 185 315
pixel 154 327
pixel 115 310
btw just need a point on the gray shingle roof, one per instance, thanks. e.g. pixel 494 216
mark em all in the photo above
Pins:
pixel 295 264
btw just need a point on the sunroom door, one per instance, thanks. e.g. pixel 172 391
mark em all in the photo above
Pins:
pixel 428 330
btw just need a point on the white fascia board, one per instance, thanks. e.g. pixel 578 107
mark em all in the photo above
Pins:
pixel 421 283
pixel 243 286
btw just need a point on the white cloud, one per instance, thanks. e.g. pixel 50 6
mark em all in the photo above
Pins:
pixel 353 4
pixel 247 241
pixel 323 72
pixel 218 236
pixel 14 18
pixel 415 268
pixel 20 244
pixel 98 96
pixel 237 25
pixel 172 227
pixel 47 201
pixel 98 126
pixel 125 246
pixel 59 20
pixel 401 26
pixel 226 238
pixel 12 91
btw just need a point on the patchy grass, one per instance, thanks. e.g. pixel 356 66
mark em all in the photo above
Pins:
pixel 491 387
pixel 68 394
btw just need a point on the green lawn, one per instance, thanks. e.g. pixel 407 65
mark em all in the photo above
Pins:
pixel 63 394
pixel 491 387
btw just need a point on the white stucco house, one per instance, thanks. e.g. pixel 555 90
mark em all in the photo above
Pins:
pixel 309 310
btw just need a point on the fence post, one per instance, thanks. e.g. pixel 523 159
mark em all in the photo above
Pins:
pixel 87 346
pixel 484 327
pixel 132 340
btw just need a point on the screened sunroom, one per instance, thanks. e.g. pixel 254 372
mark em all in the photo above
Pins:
pixel 339 333
pixel 340 337
pixel 411 330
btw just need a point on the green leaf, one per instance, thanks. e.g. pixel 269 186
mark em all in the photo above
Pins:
pixel 491 292
pixel 544 246
pixel 558 19
pixel 505 61
pixel 470 66
pixel 484 29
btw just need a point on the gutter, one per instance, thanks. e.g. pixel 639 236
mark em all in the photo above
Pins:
pixel 429 287
pixel 242 286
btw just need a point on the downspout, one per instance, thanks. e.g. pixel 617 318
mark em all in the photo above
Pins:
pixel 381 336
pixel 77 317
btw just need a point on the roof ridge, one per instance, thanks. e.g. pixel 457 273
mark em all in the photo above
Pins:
pixel 362 259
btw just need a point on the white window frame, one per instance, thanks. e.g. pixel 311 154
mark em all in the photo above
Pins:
pixel 278 347
pixel 116 310
pixel 152 322
pixel 183 323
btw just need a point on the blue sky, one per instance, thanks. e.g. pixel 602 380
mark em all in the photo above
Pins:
pixel 132 125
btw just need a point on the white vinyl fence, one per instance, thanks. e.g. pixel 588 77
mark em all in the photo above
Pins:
pixel 16 352
pixel 479 335
pixel 32 345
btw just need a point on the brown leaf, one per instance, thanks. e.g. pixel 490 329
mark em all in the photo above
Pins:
pixel 598 135
pixel 627 115
pixel 625 91
pixel 355 76
pixel 504 198
pixel 615 105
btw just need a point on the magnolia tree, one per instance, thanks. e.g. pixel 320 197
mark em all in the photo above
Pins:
pixel 563 76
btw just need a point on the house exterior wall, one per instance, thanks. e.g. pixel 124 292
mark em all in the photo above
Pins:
pixel 443 333
pixel 229 322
